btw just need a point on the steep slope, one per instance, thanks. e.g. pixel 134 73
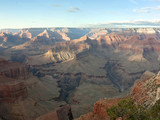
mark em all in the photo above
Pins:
pixel 147 91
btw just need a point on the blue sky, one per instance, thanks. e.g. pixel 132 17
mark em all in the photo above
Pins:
pixel 74 13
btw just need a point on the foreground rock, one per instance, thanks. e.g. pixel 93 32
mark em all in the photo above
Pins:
pixel 99 110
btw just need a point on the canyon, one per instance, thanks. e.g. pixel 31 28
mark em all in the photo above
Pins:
pixel 52 70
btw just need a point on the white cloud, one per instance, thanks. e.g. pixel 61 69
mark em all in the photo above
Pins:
pixel 141 11
pixel 155 23
pixel 158 8
pixel 155 0
pixel 56 5
pixel 73 9
pixel 146 8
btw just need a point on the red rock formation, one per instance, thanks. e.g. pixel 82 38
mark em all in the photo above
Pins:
pixel 111 39
pixel 13 70
pixel 101 106
pixel 12 86
pixel 61 113
pixel 99 110
pixel 146 92
pixel 137 44
pixel 11 90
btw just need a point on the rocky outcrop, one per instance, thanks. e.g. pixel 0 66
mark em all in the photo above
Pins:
pixel 99 110
pixel 61 113
pixel 146 92
pixel 62 56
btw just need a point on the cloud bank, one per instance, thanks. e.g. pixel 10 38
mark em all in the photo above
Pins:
pixel 128 24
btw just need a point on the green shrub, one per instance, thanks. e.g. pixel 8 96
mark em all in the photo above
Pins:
pixel 154 112
pixel 127 110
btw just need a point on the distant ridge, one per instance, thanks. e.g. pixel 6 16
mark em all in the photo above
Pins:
pixel 10 30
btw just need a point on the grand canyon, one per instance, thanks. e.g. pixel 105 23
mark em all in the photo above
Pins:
pixel 76 73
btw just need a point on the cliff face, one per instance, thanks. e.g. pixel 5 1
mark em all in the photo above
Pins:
pixel 111 39
pixel 147 91
pixel 13 70
pixel 138 44
pixel 12 86
pixel 12 90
